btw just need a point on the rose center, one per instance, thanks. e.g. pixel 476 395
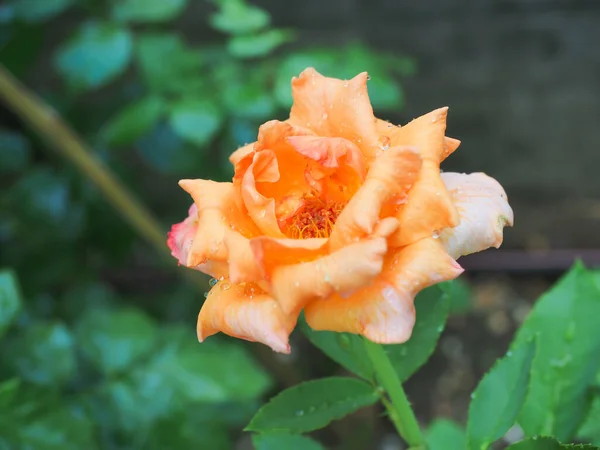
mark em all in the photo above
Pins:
pixel 314 219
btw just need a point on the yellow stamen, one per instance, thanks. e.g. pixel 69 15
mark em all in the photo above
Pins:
pixel 314 220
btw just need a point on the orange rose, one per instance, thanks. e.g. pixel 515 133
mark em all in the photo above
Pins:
pixel 338 213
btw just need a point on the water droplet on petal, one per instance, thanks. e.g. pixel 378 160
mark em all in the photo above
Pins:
pixel 384 142
pixel 262 213
pixel 324 116
pixel 435 234
pixel 213 281
pixel 300 413
pixel 206 295
pixel 225 286
pixel 345 83
pixel 368 77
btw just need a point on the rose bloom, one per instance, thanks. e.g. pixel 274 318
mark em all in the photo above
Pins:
pixel 336 213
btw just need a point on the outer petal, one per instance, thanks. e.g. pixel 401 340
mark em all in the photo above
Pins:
pixel 241 153
pixel 429 207
pixel 384 311
pixel 219 212
pixel 390 177
pixel 180 241
pixel 484 212
pixel 182 234
pixel 347 269
pixel 245 311
pixel 336 108
pixel 389 133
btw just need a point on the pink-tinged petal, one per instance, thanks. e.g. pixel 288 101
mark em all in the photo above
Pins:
pixel 261 209
pixel 180 241
pixel 384 311
pixel 245 311
pixel 484 212
pixel 182 234
pixel 345 270
pixel 389 179
pixel 335 108
pixel 220 211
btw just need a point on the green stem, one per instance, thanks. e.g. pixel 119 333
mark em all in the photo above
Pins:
pixel 398 407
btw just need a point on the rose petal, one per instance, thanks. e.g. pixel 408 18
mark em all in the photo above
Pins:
pixel 270 253
pixel 335 108
pixel 384 311
pixel 219 210
pixel 261 209
pixel 182 234
pixel 245 311
pixel 241 153
pixel 450 146
pixel 330 152
pixel 390 177
pixel 347 269
pixel 484 212
pixel 429 207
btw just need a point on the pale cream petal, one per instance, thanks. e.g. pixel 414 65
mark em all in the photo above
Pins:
pixel 484 212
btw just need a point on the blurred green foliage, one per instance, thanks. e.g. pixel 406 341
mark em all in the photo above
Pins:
pixel 98 348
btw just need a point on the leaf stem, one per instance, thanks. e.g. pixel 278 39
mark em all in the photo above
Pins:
pixel 398 406
pixel 49 125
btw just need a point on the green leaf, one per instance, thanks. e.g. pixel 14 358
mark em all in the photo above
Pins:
pixel 259 44
pixel 62 429
pixel 284 441
pixel 238 17
pixel 44 354
pixel 548 443
pixel 432 306
pixel 183 431
pixel 97 54
pixel 460 295
pixel 499 397
pixel 15 151
pixel 8 391
pixel 445 435
pixel 148 10
pixel 180 372
pixel 566 360
pixel 249 100
pixel 134 121
pixel 167 64
pixel 384 91
pixel 313 404
pixel 20 46
pixel 115 339
pixel 346 349
pixel 39 11
pixel 166 152
pixel 10 300
pixel 197 121
pixel 590 430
